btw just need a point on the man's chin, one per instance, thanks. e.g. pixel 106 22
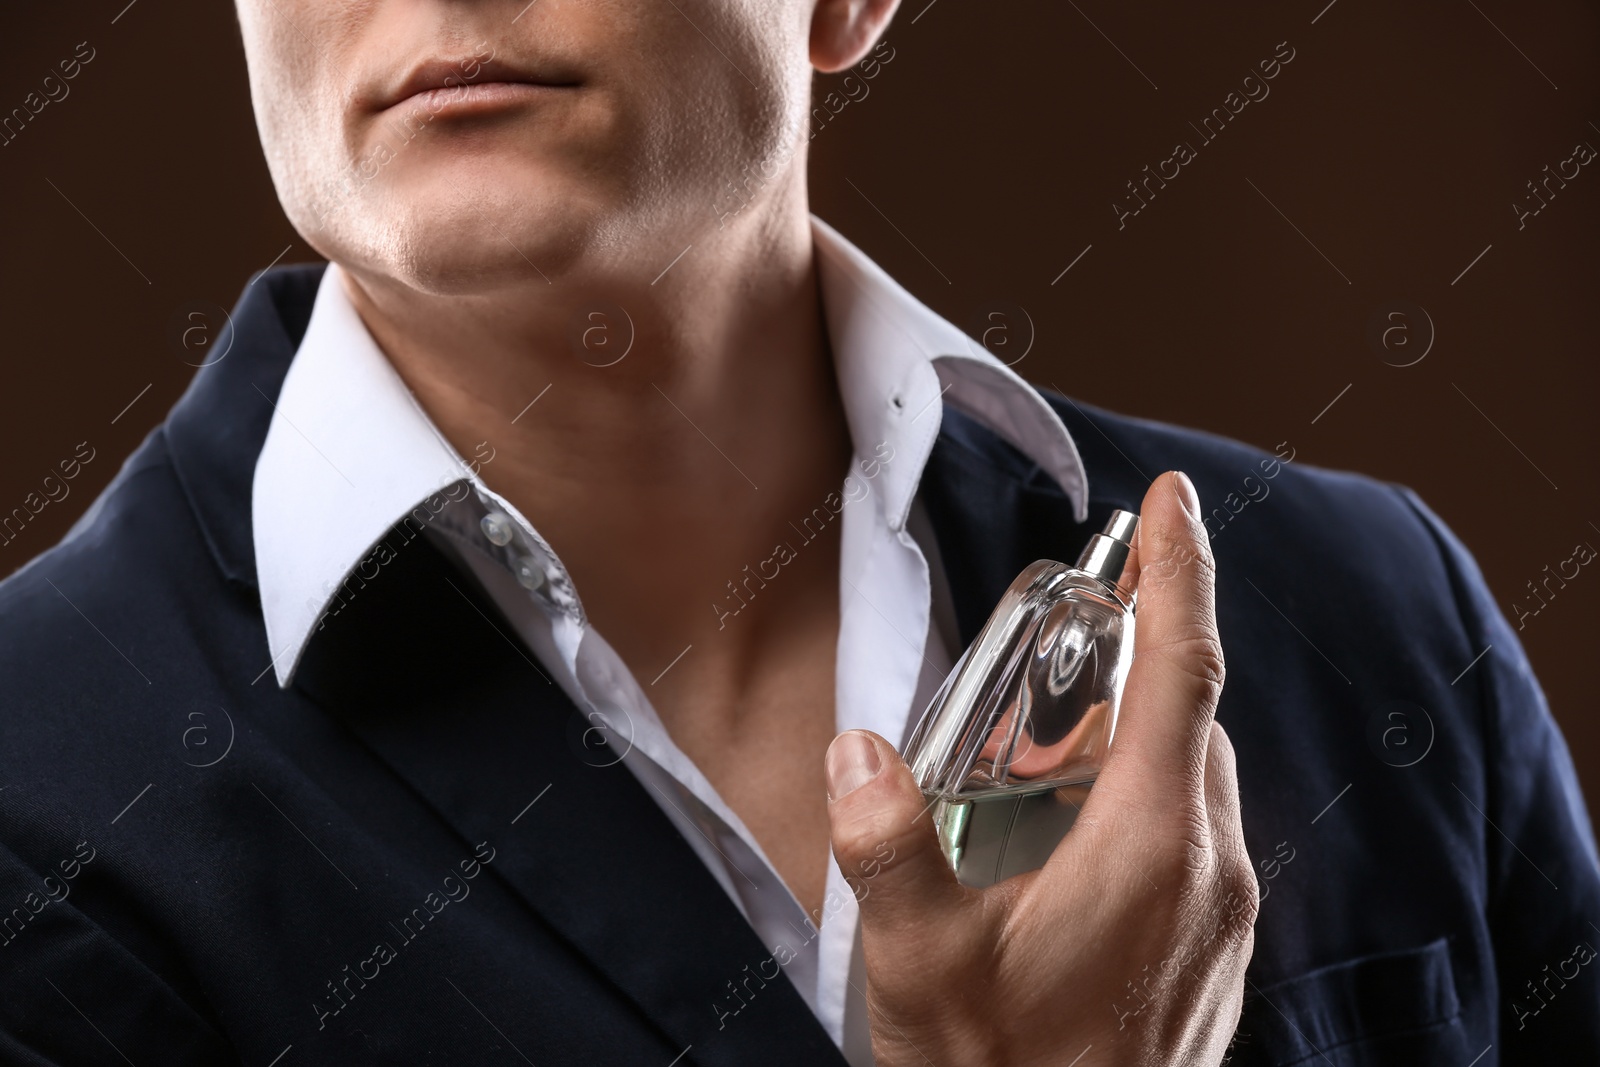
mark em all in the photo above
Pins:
pixel 480 233
pixel 464 226
pixel 453 270
pixel 449 254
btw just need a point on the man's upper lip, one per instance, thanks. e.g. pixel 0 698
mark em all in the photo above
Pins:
pixel 446 74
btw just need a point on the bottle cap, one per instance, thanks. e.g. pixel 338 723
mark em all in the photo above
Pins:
pixel 1106 554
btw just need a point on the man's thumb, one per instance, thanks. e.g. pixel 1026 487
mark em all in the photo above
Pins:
pixel 884 838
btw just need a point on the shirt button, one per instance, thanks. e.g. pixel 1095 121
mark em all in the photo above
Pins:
pixel 530 575
pixel 497 527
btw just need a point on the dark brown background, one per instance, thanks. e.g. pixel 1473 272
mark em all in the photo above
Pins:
pixel 981 162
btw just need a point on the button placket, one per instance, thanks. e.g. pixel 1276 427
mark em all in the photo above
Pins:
pixel 513 547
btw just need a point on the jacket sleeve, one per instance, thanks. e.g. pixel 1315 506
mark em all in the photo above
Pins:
pixel 71 995
pixel 1542 884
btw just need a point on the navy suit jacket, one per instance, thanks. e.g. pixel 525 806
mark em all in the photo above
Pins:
pixel 411 856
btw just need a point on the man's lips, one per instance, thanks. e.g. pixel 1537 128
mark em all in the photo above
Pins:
pixel 471 82
pixel 474 98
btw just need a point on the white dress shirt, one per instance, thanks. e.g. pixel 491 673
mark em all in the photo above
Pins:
pixel 349 453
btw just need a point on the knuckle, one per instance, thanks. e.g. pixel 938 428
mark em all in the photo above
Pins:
pixel 1187 855
pixel 1197 651
pixel 857 835
pixel 873 832
pixel 1238 876
pixel 1194 656
pixel 1240 897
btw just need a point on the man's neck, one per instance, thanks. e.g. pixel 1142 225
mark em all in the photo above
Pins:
pixel 659 477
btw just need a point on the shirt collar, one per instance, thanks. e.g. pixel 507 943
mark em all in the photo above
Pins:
pixel 349 452
pixel 899 362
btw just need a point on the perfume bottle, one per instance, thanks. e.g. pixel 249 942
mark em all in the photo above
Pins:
pixel 1007 749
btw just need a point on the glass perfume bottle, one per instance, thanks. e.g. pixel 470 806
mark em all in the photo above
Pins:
pixel 1007 749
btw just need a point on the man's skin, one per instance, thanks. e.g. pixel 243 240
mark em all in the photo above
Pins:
pixel 479 223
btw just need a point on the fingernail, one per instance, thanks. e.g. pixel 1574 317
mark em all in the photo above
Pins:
pixel 852 763
pixel 1187 496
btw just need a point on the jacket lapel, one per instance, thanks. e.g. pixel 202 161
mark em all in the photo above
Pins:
pixel 414 666
pixel 216 429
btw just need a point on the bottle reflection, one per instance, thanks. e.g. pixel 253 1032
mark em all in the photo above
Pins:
pixel 1008 749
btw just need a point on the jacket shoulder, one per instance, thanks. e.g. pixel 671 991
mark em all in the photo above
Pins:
pixel 91 628
pixel 1352 515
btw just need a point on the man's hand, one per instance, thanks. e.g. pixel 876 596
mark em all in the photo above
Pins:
pixel 1129 947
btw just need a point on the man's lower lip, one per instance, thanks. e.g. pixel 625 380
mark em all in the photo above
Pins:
pixel 477 97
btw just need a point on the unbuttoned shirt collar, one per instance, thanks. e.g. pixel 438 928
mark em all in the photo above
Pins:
pixel 349 454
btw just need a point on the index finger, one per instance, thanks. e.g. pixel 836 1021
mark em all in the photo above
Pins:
pixel 1176 676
